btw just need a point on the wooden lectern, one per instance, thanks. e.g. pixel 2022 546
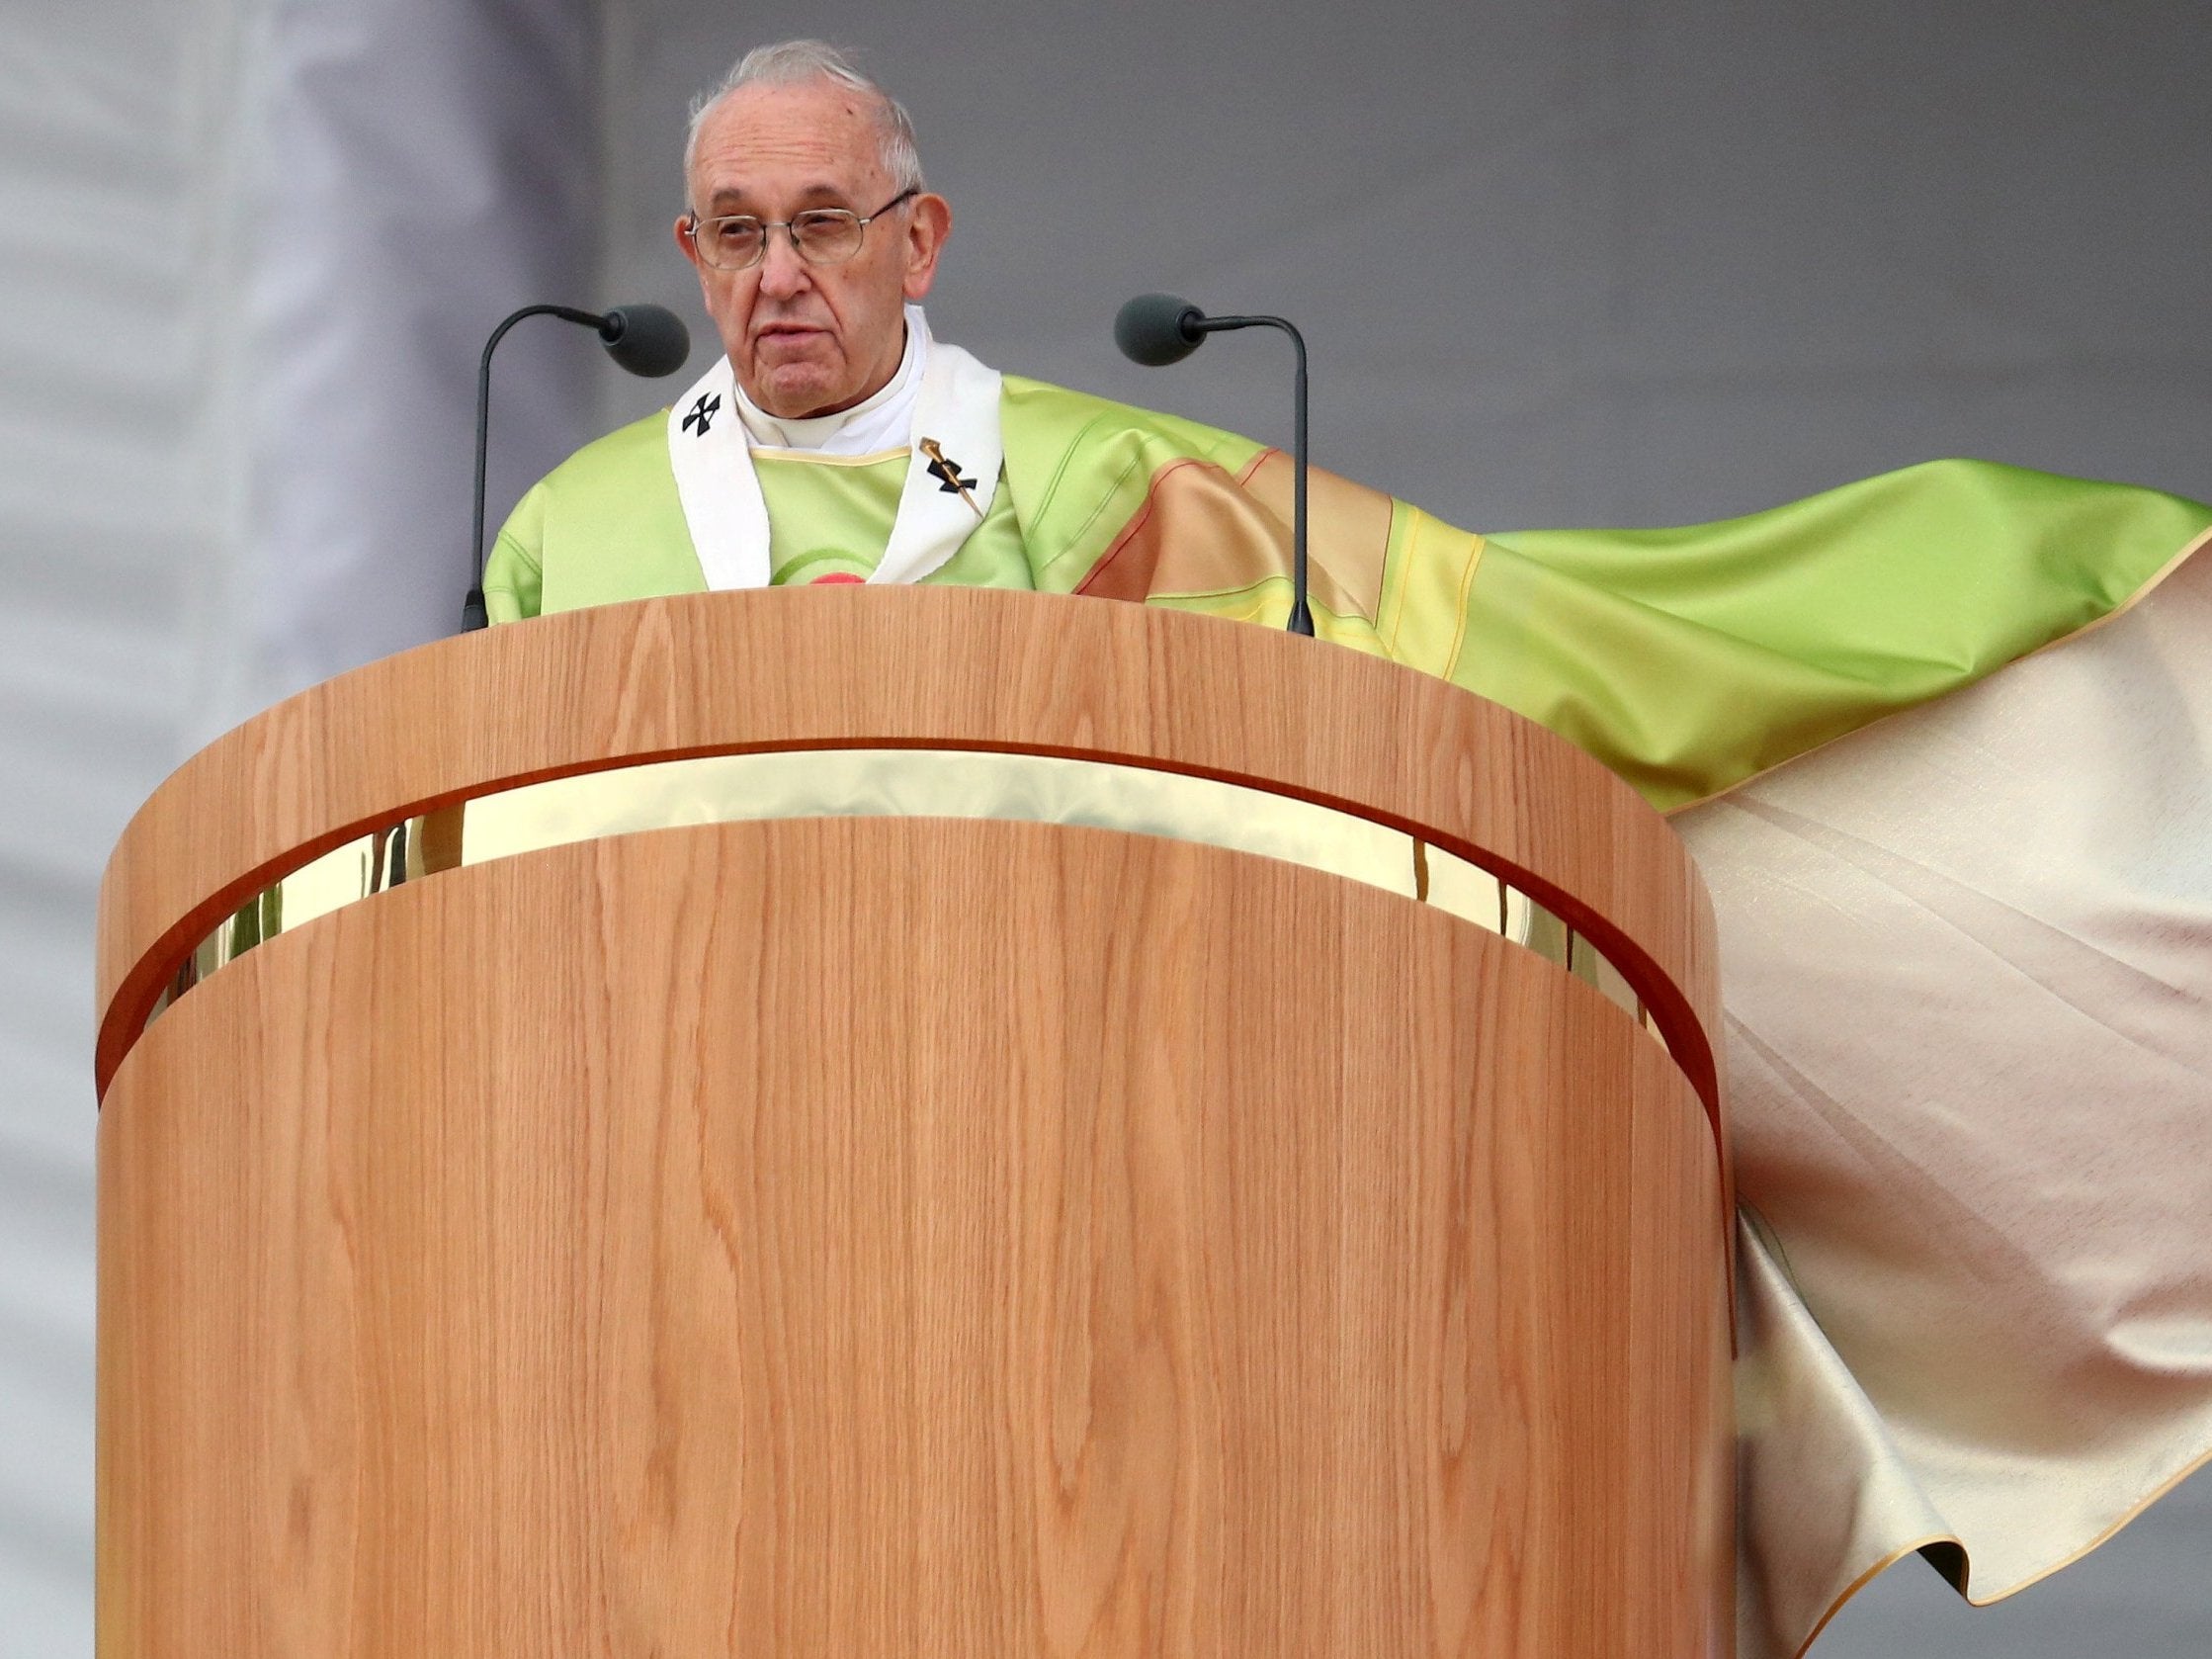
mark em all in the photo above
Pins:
pixel 955 1236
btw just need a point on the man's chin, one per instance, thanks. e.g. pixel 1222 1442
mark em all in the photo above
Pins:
pixel 793 390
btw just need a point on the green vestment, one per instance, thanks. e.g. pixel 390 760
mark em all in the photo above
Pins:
pixel 1687 659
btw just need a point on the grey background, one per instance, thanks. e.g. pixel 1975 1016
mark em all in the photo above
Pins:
pixel 1569 263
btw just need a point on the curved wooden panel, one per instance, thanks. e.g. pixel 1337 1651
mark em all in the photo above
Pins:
pixel 930 667
pixel 889 1236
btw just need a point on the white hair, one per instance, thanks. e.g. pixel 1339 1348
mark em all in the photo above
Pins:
pixel 797 63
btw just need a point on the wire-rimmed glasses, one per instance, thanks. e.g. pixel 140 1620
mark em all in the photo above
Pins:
pixel 818 236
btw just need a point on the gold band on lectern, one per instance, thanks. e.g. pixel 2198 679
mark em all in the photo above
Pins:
pixel 625 686
pixel 915 783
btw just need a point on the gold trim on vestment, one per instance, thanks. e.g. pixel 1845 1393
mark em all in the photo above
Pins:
pixel 1963 1582
pixel 814 457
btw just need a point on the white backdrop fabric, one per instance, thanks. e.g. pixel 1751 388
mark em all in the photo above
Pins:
pixel 1597 261
pixel 121 140
pixel 426 168
pixel 248 249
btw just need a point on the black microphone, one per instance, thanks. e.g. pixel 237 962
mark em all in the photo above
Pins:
pixel 649 340
pixel 1155 330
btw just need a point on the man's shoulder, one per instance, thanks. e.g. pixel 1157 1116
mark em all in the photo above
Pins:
pixel 1080 469
pixel 619 458
pixel 592 523
pixel 1055 419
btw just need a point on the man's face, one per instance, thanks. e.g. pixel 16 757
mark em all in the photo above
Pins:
pixel 809 339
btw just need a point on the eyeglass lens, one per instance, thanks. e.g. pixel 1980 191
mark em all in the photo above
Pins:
pixel 822 236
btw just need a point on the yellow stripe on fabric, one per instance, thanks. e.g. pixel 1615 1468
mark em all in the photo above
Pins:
pixel 1433 570
pixel 1390 609
pixel 1466 588
pixel 815 458
pixel 1267 602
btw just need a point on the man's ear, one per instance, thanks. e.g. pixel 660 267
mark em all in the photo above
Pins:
pixel 684 241
pixel 929 222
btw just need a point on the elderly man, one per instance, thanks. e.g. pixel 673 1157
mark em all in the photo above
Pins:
pixel 835 441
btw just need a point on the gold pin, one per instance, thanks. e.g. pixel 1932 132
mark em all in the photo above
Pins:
pixel 949 473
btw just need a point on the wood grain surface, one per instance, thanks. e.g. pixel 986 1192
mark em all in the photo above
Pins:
pixel 902 1236
pixel 925 667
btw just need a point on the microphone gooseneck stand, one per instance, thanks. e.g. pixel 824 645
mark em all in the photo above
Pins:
pixel 649 340
pixel 1162 329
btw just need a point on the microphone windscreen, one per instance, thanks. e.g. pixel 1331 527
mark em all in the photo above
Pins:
pixel 649 340
pixel 1149 329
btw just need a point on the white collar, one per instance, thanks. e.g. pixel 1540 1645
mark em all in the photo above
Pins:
pixel 883 420
pixel 951 413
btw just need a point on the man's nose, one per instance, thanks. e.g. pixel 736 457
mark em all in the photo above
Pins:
pixel 781 272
